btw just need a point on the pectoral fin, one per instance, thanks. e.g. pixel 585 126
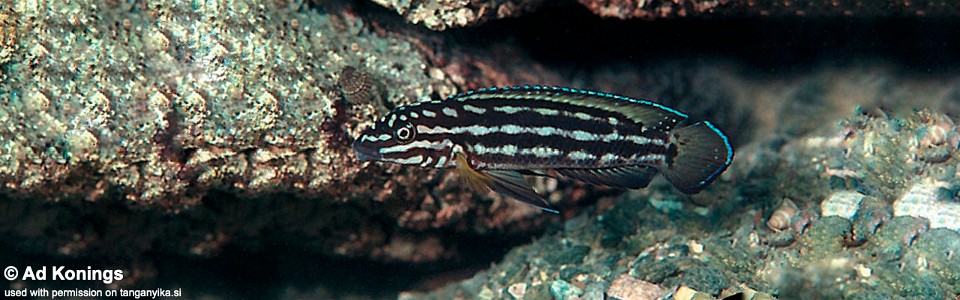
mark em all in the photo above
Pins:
pixel 512 184
pixel 469 176
pixel 507 183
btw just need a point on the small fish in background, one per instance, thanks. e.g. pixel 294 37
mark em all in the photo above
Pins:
pixel 494 136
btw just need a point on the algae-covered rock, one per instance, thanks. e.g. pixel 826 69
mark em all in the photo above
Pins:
pixel 131 128
pixel 705 279
pixel 563 290
pixel 859 249
pixel 569 255
pixel 895 237
pixel 649 10
pixel 125 123
pixel 440 15
pixel 204 97
pixel 824 239
pixel 937 251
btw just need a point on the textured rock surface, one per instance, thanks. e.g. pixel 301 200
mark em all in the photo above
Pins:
pixel 113 106
pixel 185 107
pixel 129 131
pixel 654 9
pixel 441 15
pixel 146 100
pixel 858 249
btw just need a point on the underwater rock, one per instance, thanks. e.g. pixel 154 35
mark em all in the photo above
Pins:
pixel 921 200
pixel 625 9
pixel 705 279
pixel 747 294
pixel 440 15
pixel 938 250
pixel 781 239
pixel 687 293
pixel 627 287
pixel 563 290
pixel 517 290
pixel 208 102
pixel 871 215
pixel 194 103
pixel 896 236
pixel 824 239
pixel 842 204
pixel 823 278
pixel 856 249
pixel 222 125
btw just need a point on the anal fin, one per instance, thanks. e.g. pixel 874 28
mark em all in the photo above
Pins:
pixel 512 184
pixel 631 177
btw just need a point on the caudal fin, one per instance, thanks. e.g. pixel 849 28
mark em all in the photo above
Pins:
pixel 702 153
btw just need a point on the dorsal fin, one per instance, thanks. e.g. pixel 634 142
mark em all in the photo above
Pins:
pixel 653 114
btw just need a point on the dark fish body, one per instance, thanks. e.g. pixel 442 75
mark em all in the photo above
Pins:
pixel 492 135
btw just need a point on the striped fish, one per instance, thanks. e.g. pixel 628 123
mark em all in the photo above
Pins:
pixel 494 136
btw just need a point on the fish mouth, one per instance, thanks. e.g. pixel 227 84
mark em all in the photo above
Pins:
pixel 365 153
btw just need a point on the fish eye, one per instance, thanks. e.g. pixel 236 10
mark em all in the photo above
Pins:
pixel 405 133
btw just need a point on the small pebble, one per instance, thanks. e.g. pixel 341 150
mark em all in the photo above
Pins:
pixel 627 287
pixel 517 290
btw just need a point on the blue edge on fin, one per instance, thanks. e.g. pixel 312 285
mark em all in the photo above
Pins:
pixel 726 143
pixel 567 90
